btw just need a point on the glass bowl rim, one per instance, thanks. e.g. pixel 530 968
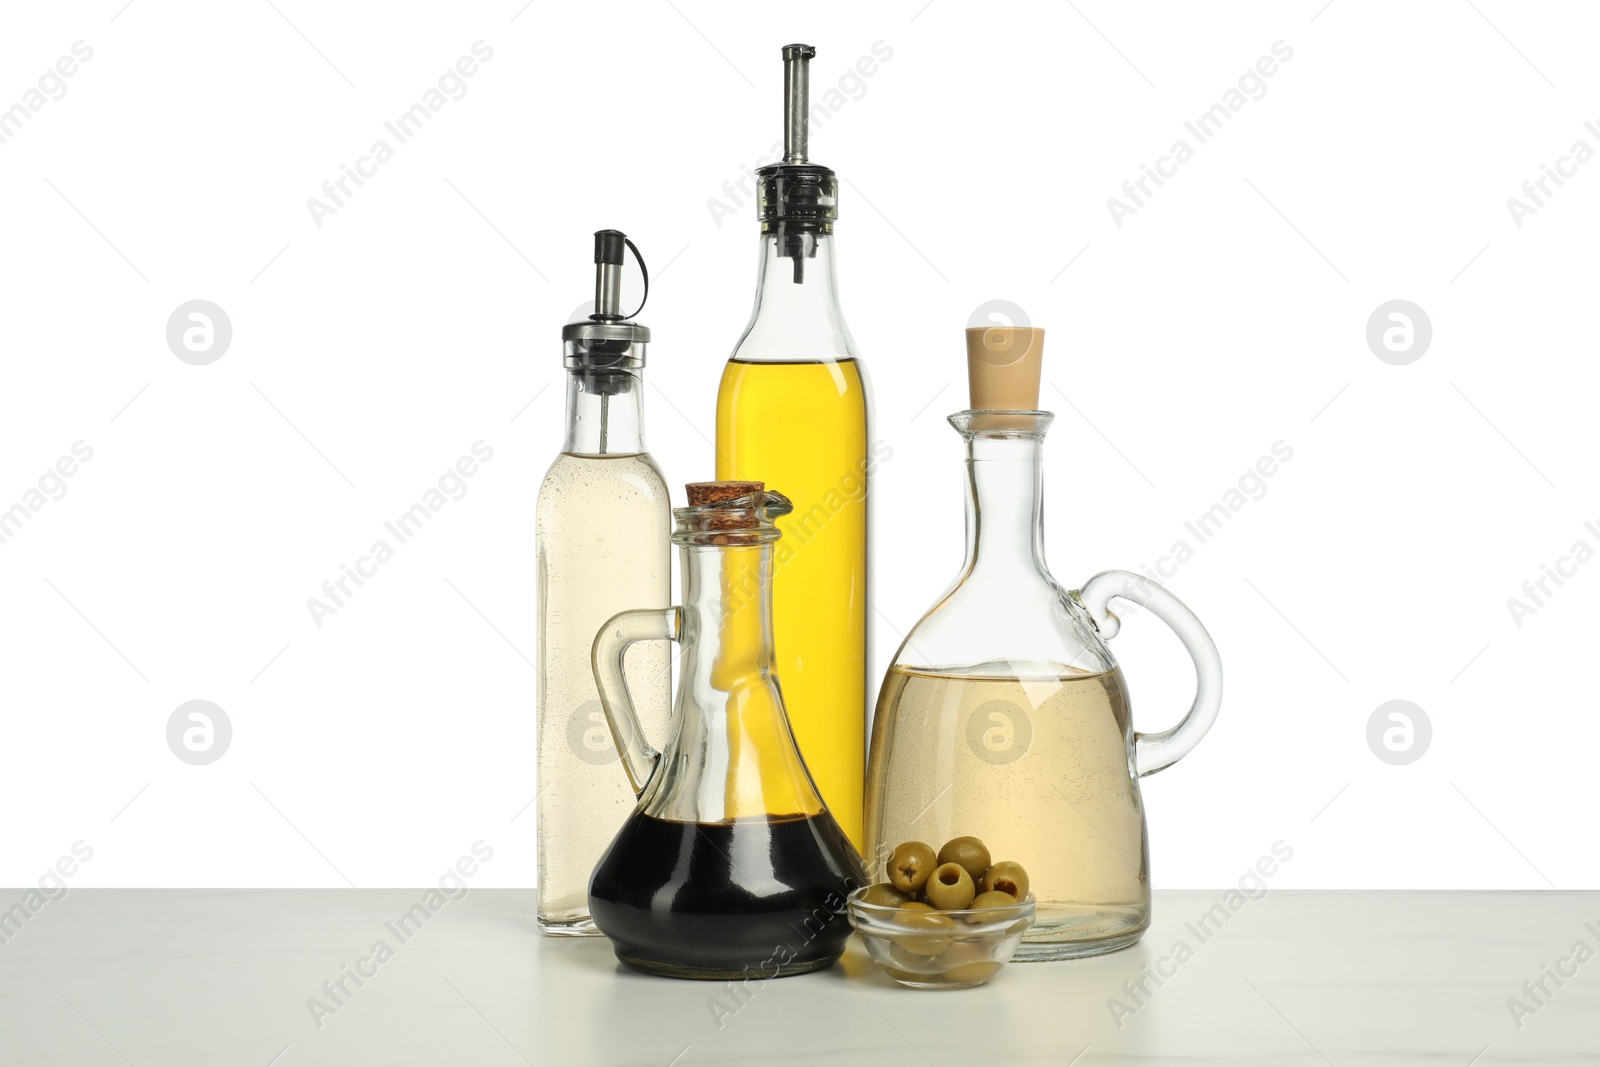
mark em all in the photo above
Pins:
pixel 1023 908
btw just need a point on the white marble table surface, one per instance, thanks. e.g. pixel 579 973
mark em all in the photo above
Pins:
pixel 213 977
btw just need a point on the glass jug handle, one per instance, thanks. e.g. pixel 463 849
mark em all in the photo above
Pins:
pixel 620 631
pixel 1153 752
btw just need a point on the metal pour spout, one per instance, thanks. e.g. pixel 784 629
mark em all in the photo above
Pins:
pixel 796 101
pixel 608 250
pixel 607 349
pixel 796 199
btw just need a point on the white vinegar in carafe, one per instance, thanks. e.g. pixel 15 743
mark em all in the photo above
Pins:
pixel 1033 759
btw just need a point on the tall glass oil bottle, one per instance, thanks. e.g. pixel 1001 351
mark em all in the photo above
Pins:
pixel 792 410
pixel 603 541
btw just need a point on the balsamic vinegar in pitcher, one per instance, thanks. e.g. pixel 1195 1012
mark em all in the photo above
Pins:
pixel 681 893
pixel 731 865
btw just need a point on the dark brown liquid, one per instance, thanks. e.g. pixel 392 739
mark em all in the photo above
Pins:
pixel 754 898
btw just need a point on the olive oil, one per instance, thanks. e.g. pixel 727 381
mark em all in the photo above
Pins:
pixel 803 426
pixel 793 412
pixel 1036 762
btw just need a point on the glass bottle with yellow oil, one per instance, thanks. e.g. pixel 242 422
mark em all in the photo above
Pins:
pixel 793 410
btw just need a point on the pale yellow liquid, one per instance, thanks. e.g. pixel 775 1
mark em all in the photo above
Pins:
pixel 802 429
pixel 1037 767
pixel 603 524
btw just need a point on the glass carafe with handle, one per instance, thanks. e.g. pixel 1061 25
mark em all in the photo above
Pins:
pixel 730 866
pixel 1005 716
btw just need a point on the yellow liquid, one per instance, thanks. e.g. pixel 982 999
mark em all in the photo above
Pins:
pixel 764 778
pixel 1036 765
pixel 802 429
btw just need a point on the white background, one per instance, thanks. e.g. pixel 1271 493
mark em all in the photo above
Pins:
pixel 1227 314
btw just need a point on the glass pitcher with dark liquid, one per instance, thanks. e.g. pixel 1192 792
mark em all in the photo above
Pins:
pixel 730 866
pixel 1004 715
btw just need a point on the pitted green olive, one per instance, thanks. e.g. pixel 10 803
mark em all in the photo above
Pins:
pixel 994 898
pixel 928 922
pixel 910 864
pixel 1007 877
pixel 884 895
pixel 950 887
pixel 967 851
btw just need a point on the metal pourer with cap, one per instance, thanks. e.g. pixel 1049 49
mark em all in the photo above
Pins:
pixel 793 409
pixel 607 345
pixel 603 527
pixel 798 200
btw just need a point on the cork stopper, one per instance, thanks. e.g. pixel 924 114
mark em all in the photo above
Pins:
pixel 706 494
pixel 1003 364
pixel 711 494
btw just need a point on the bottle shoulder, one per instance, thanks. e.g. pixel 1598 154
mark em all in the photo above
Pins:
pixel 793 355
pixel 1023 622
pixel 795 379
pixel 634 477
pixel 775 338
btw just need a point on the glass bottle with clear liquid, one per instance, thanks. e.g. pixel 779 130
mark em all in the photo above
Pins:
pixel 793 410
pixel 603 545
pixel 1005 716
pixel 730 866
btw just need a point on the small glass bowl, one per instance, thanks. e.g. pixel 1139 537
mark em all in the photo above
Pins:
pixel 967 952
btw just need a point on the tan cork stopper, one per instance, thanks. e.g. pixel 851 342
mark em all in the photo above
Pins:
pixel 710 494
pixel 1003 364
pixel 702 494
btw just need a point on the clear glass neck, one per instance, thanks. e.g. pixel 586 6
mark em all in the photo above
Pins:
pixel 1005 493
pixel 727 614
pixel 797 316
pixel 605 412
pixel 732 754
pixel 1005 615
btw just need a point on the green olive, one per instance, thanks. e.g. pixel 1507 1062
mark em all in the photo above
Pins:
pixel 884 895
pixel 1007 877
pixel 910 864
pixel 993 898
pixel 950 887
pixel 967 963
pixel 971 973
pixel 913 965
pixel 918 916
pixel 961 952
pixel 967 851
